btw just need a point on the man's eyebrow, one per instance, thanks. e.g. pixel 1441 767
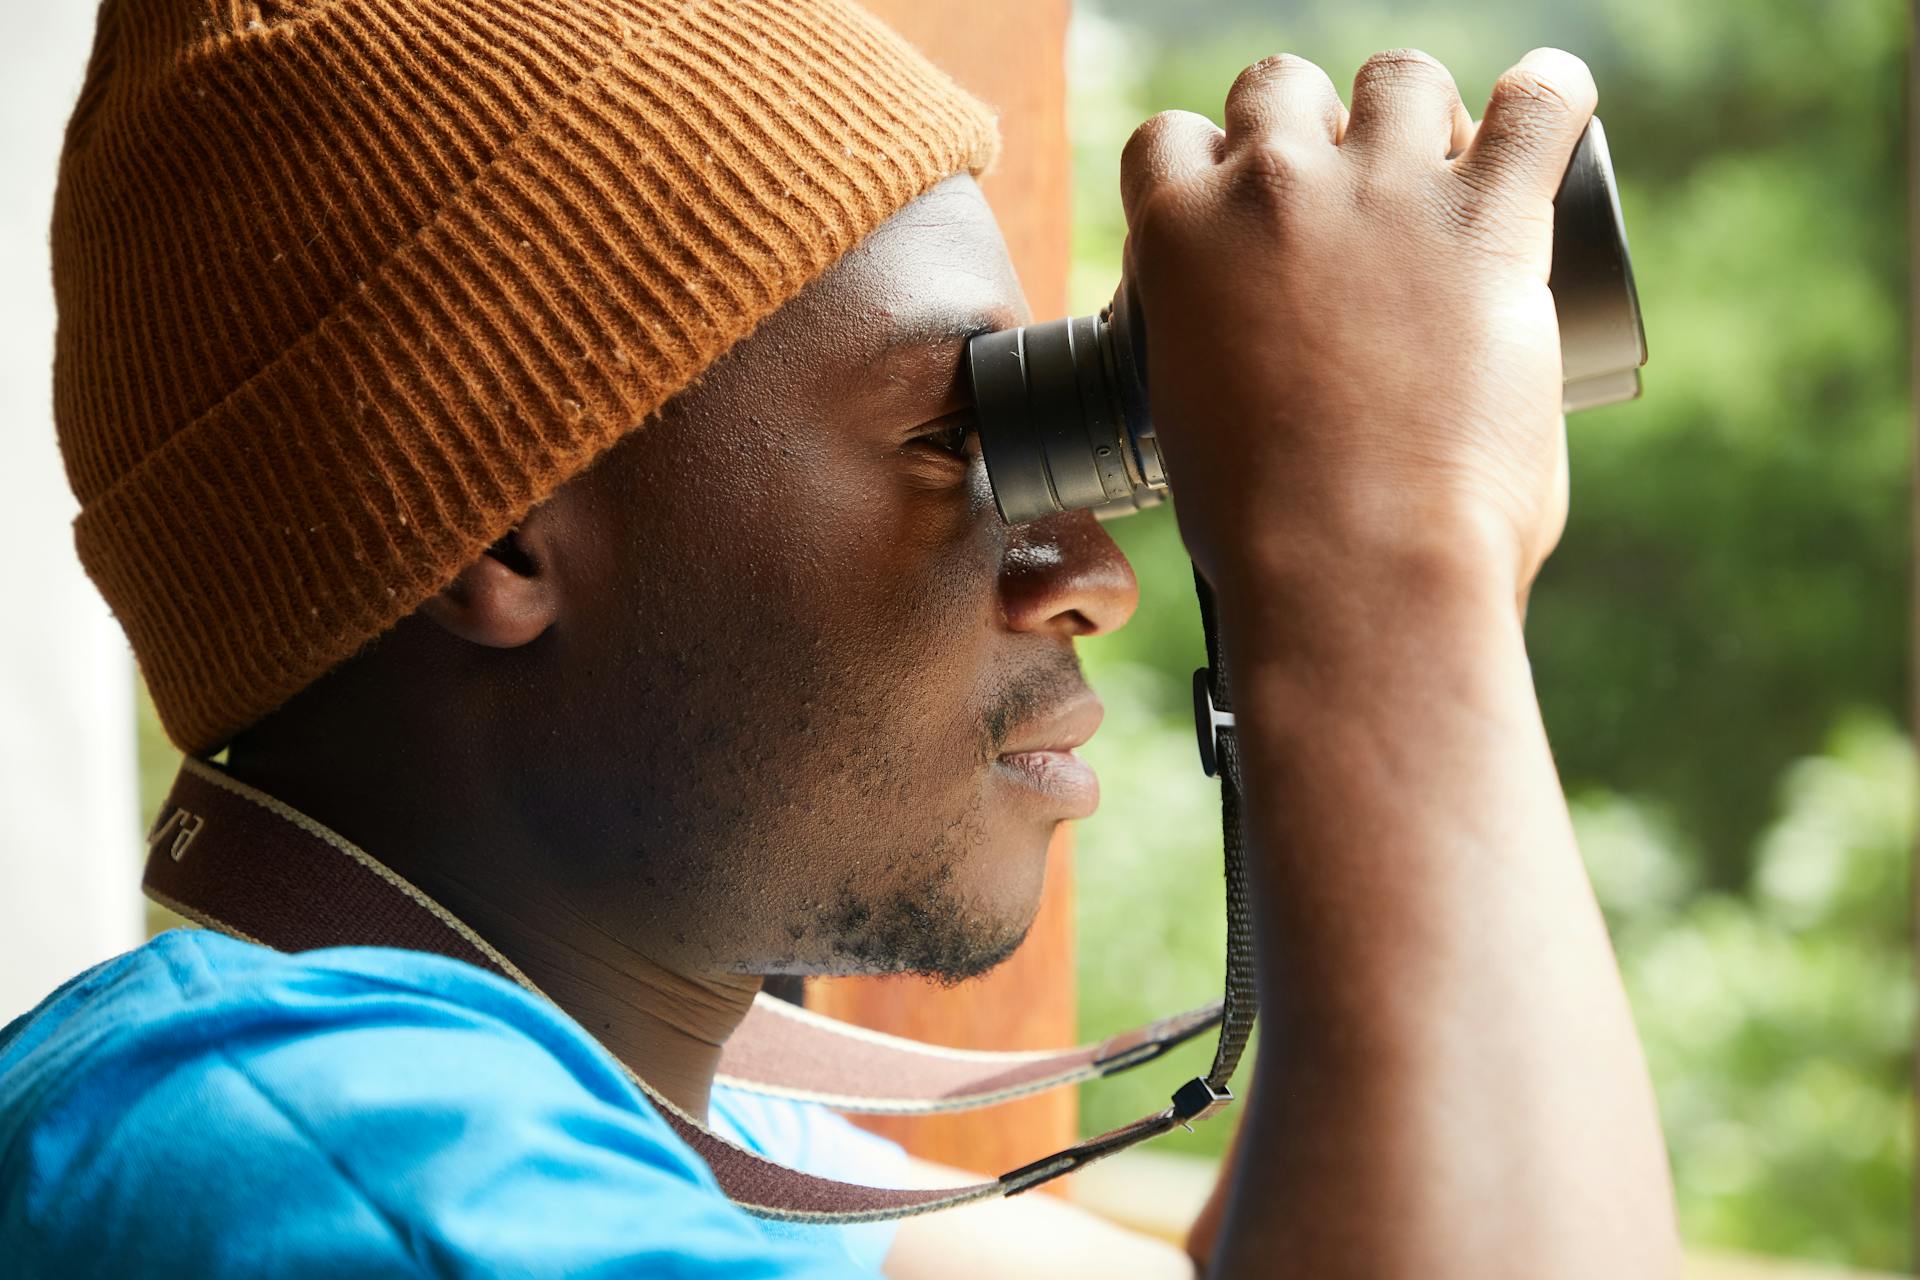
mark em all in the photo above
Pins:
pixel 920 348
pixel 946 328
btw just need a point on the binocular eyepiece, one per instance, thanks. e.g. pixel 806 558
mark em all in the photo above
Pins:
pixel 1062 406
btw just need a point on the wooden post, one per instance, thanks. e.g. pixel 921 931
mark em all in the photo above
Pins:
pixel 1012 54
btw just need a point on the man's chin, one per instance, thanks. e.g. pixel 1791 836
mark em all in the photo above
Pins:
pixel 968 907
pixel 946 957
pixel 930 933
pixel 974 958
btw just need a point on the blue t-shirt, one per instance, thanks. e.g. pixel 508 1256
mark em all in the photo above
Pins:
pixel 204 1107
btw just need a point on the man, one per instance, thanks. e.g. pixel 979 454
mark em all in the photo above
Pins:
pixel 530 439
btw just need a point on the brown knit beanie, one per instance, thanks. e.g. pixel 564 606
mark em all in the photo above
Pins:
pixel 346 287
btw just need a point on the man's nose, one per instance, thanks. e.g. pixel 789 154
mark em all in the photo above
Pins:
pixel 1063 575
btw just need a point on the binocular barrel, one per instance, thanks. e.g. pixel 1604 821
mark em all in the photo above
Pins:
pixel 1062 407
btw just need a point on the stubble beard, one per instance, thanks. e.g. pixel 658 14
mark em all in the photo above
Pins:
pixel 923 928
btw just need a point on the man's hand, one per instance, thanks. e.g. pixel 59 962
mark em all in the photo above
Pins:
pixel 1356 376
pixel 1352 344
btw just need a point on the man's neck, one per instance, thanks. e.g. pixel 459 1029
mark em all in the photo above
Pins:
pixel 666 1025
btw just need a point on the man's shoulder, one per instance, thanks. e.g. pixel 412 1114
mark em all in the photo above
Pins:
pixel 193 997
pixel 363 1110
pixel 324 1035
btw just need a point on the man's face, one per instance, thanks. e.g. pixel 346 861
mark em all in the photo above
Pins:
pixel 804 680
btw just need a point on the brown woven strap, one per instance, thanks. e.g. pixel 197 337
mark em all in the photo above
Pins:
pixel 237 860
pixel 785 1051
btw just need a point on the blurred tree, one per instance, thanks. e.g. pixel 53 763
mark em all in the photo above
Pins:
pixel 1779 1024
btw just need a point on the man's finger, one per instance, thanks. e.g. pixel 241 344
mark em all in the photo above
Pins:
pixel 1283 96
pixel 1172 147
pixel 1404 100
pixel 1534 118
pixel 1463 128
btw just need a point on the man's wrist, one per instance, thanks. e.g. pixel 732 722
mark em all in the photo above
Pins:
pixel 1356 536
pixel 1340 607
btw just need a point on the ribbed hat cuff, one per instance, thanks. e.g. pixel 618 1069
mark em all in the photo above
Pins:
pixel 530 324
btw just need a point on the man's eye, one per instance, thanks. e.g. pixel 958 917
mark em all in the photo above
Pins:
pixel 951 435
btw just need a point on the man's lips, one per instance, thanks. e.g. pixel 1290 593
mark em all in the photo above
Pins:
pixel 1042 757
pixel 1068 726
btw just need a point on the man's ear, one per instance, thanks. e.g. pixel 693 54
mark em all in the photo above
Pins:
pixel 504 599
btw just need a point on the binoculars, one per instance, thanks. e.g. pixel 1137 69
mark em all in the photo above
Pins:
pixel 1061 407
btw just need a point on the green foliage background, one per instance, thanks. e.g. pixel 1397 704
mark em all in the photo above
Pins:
pixel 1719 644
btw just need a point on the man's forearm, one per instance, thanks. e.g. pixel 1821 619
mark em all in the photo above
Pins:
pixel 1357 389
pixel 1452 1086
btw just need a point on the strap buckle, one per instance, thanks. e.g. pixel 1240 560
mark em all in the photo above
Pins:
pixel 1208 721
pixel 1197 1099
